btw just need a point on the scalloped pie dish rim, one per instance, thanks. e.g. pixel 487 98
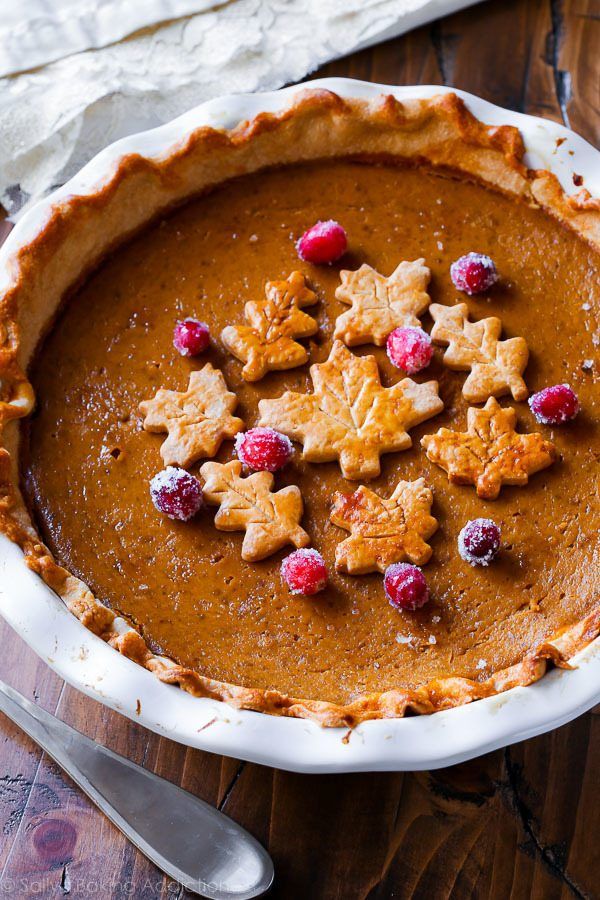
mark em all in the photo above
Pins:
pixel 129 184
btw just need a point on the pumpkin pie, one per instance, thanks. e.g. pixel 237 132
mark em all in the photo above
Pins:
pixel 366 462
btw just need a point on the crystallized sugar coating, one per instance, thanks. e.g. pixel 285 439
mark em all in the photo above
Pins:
pixel 263 449
pixel 479 542
pixel 176 493
pixel 191 337
pixel 409 349
pixel 554 405
pixel 473 273
pixel 304 571
pixel 404 639
pixel 405 586
pixel 322 244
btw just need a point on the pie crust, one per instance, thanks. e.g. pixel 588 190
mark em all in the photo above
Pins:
pixel 82 229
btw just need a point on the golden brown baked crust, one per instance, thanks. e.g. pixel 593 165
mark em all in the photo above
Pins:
pixel 439 131
pixel 379 304
pixel 384 530
pixel 358 438
pixel 271 519
pixel 196 420
pixel 496 366
pixel 490 452
pixel 269 342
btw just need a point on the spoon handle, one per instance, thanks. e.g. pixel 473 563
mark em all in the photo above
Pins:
pixel 192 842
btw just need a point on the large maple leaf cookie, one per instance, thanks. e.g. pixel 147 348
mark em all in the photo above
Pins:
pixel 490 452
pixel 197 421
pixel 496 366
pixel 380 304
pixel 384 531
pixel 268 342
pixel 351 416
pixel 270 520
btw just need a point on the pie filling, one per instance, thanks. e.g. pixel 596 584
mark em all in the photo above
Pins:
pixel 88 462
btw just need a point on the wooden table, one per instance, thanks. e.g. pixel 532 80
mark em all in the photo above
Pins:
pixel 521 822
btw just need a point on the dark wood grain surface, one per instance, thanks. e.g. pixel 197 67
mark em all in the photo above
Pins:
pixel 518 823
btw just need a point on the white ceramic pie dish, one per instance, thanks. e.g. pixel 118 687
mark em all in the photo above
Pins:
pixel 419 742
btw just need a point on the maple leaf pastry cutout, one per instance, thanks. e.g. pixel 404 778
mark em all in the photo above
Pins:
pixel 270 520
pixel 197 421
pixel 384 531
pixel 268 342
pixel 351 416
pixel 489 453
pixel 380 304
pixel 496 366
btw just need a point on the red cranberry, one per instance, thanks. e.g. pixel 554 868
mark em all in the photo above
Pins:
pixel 263 449
pixel 479 542
pixel 405 586
pixel 473 273
pixel 323 243
pixel 304 572
pixel 554 405
pixel 409 349
pixel 176 493
pixel 191 337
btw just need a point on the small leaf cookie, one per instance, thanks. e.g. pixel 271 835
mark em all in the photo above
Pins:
pixel 380 304
pixel 384 531
pixel 489 453
pixel 496 366
pixel 269 519
pixel 197 420
pixel 351 416
pixel 267 343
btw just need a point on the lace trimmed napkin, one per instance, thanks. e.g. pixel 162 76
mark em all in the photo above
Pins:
pixel 79 74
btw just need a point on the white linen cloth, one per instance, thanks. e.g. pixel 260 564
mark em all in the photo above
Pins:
pixel 79 74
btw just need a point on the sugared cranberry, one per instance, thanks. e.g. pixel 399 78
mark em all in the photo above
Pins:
pixel 191 337
pixel 479 542
pixel 176 493
pixel 473 273
pixel 323 243
pixel 263 449
pixel 304 572
pixel 409 349
pixel 405 586
pixel 554 405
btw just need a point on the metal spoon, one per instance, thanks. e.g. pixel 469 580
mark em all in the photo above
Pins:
pixel 192 842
